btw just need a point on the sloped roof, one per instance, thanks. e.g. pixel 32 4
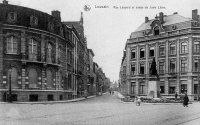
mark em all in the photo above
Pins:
pixel 168 20
pixel 76 25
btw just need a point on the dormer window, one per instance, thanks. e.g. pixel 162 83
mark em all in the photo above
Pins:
pixel 12 16
pixel 50 26
pixel 156 31
pixel 34 20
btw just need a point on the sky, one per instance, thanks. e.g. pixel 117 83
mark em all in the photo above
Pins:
pixel 107 29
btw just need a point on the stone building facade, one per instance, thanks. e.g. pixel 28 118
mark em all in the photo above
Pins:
pixel 174 42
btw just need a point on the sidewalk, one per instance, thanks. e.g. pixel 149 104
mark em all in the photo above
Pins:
pixel 51 102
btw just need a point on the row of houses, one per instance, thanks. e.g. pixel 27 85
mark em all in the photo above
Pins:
pixel 45 59
pixel 174 41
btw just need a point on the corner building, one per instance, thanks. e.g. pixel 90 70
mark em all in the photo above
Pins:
pixel 33 47
pixel 174 41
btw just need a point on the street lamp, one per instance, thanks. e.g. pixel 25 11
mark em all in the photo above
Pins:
pixel 9 89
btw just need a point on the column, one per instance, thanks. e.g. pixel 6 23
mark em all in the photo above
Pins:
pixel 44 78
pixel 178 67
pixel 23 77
pixel 23 45
pixel 189 88
pixel 43 46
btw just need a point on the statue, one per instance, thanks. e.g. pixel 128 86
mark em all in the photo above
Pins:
pixel 153 70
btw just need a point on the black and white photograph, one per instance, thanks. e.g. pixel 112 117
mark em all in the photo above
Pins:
pixel 99 62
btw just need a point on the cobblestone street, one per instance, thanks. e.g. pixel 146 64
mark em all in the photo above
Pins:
pixel 102 110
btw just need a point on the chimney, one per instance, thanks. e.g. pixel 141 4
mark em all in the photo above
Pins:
pixel 5 2
pixel 175 13
pixel 195 15
pixel 146 19
pixel 56 14
pixel 161 17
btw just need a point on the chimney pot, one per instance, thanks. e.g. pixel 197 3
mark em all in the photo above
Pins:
pixel 146 19
pixel 5 2
pixel 161 17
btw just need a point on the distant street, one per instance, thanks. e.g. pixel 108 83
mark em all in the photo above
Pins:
pixel 102 110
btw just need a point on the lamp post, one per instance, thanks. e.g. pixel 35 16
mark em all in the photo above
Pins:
pixel 9 89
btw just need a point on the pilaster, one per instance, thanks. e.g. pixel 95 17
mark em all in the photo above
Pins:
pixel 1 57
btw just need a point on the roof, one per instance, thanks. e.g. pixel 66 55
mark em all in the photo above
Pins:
pixel 76 24
pixel 168 20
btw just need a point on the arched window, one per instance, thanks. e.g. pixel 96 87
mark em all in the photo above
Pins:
pixel 33 78
pixel 156 31
pixel 12 45
pixel 49 79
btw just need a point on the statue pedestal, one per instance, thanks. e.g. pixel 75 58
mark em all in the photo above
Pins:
pixel 153 88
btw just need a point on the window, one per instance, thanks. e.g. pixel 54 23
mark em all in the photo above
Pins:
pixel 172 89
pixel 151 52
pixel 142 53
pixel 162 89
pixel 196 65
pixel 183 88
pixel 172 66
pixel 32 46
pixel 12 45
pixel 50 26
pixel 142 89
pixel 59 53
pixel 141 68
pixel 183 47
pixel 183 65
pixel 133 54
pixel 49 53
pixel 156 31
pixel 172 49
pixel 196 46
pixel 162 50
pixel 133 88
pixel 195 88
pixel 34 20
pixel 12 16
pixel 132 69
pixel 161 67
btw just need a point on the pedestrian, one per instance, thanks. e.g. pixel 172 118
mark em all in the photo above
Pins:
pixel 176 95
pixel 185 100
pixel 138 101
pixel 110 91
